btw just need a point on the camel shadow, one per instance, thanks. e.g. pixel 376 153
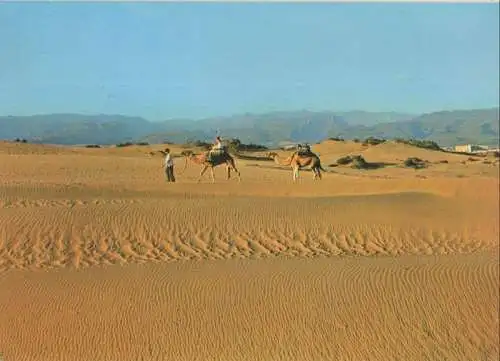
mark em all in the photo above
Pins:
pixel 282 169
pixel 252 157
pixel 366 165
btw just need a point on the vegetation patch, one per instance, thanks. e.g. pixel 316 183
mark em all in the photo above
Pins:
pixel 129 144
pixel 358 162
pixel 236 145
pixel 425 144
pixel 197 144
pixel 126 144
pixel 373 141
pixel 252 157
pixel 344 160
pixel 415 163
pixel 92 146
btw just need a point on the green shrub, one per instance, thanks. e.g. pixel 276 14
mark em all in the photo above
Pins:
pixel 126 144
pixel 358 162
pixel 426 144
pixel 415 163
pixel 373 141
pixel 236 145
pixel 197 144
pixel 344 160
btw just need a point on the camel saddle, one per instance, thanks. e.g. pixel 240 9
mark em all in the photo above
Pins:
pixel 304 152
pixel 217 152
pixel 215 155
pixel 304 149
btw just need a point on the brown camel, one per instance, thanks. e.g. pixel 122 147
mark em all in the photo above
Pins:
pixel 202 159
pixel 298 161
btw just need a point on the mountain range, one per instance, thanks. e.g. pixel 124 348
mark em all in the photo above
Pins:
pixel 480 126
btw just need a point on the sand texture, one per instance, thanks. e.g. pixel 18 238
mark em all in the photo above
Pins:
pixel 101 259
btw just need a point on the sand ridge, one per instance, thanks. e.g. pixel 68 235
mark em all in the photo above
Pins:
pixel 100 259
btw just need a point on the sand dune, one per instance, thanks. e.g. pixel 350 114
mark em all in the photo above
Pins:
pixel 100 259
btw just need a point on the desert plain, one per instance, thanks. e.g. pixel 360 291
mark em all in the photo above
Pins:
pixel 102 259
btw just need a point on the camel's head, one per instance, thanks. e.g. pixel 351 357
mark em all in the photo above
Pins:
pixel 187 153
pixel 272 155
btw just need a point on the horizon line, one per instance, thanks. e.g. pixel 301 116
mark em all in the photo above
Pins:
pixel 97 114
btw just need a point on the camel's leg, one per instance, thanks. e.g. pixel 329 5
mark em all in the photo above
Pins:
pixel 213 174
pixel 317 173
pixel 295 173
pixel 202 172
pixel 233 166
pixel 228 172
pixel 237 173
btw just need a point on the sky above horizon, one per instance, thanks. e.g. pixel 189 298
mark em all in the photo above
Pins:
pixel 195 60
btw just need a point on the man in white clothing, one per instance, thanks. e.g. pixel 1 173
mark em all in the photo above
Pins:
pixel 218 144
pixel 169 166
pixel 217 148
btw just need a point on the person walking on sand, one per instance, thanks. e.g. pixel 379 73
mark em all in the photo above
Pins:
pixel 169 166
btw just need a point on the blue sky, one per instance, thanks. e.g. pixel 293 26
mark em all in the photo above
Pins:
pixel 167 60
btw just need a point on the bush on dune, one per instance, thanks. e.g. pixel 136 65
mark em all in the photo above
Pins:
pixel 425 144
pixel 197 144
pixel 373 141
pixel 344 160
pixel 356 162
pixel 126 144
pixel 415 163
pixel 236 145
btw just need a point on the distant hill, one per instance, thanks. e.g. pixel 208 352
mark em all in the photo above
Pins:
pixel 75 128
pixel 446 127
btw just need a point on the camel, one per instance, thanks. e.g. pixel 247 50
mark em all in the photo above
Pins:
pixel 202 159
pixel 298 161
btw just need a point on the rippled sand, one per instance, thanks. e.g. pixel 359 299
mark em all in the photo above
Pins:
pixel 100 259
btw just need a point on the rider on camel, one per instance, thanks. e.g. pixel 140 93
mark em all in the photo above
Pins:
pixel 218 144
pixel 217 148
pixel 303 148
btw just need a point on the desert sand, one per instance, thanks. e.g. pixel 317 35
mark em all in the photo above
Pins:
pixel 101 259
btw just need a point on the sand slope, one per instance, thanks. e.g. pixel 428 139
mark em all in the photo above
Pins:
pixel 100 259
